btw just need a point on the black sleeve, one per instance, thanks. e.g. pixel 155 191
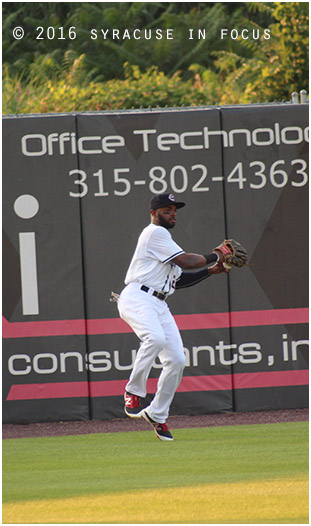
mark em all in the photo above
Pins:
pixel 187 279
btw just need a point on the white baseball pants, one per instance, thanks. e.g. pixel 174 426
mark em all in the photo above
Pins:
pixel 153 323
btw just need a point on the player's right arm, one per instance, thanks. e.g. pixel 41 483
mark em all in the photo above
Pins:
pixel 188 279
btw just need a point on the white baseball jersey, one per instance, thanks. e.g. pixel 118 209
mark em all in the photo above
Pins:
pixel 151 264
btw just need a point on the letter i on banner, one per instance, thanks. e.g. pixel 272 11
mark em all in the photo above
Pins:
pixel 26 207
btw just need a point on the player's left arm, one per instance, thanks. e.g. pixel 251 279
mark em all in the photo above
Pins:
pixel 228 254
pixel 188 260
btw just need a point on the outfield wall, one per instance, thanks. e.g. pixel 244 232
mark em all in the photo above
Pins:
pixel 76 193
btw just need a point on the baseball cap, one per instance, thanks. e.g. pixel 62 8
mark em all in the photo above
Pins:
pixel 162 200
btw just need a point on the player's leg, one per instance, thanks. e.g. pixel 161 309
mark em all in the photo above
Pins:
pixel 142 315
pixel 172 357
pixel 152 341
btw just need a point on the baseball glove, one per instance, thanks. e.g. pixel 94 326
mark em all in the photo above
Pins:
pixel 231 254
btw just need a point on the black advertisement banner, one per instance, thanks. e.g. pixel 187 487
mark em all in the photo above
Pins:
pixel 76 193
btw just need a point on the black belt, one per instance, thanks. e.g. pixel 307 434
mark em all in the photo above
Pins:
pixel 159 295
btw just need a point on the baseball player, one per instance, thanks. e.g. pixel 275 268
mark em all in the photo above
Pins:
pixel 157 269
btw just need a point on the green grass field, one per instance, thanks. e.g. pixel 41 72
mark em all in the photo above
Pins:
pixel 231 474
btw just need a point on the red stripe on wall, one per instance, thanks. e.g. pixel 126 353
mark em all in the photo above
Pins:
pixel 48 391
pixel 31 329
pixel 271 379
pixel 188 384
pixel 221 382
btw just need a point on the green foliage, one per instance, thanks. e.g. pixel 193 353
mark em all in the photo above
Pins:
pixel 105 56
pixel 70 93
pixel 277 66
pixel 84 74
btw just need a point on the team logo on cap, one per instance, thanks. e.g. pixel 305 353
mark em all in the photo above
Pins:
pixel 171 197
